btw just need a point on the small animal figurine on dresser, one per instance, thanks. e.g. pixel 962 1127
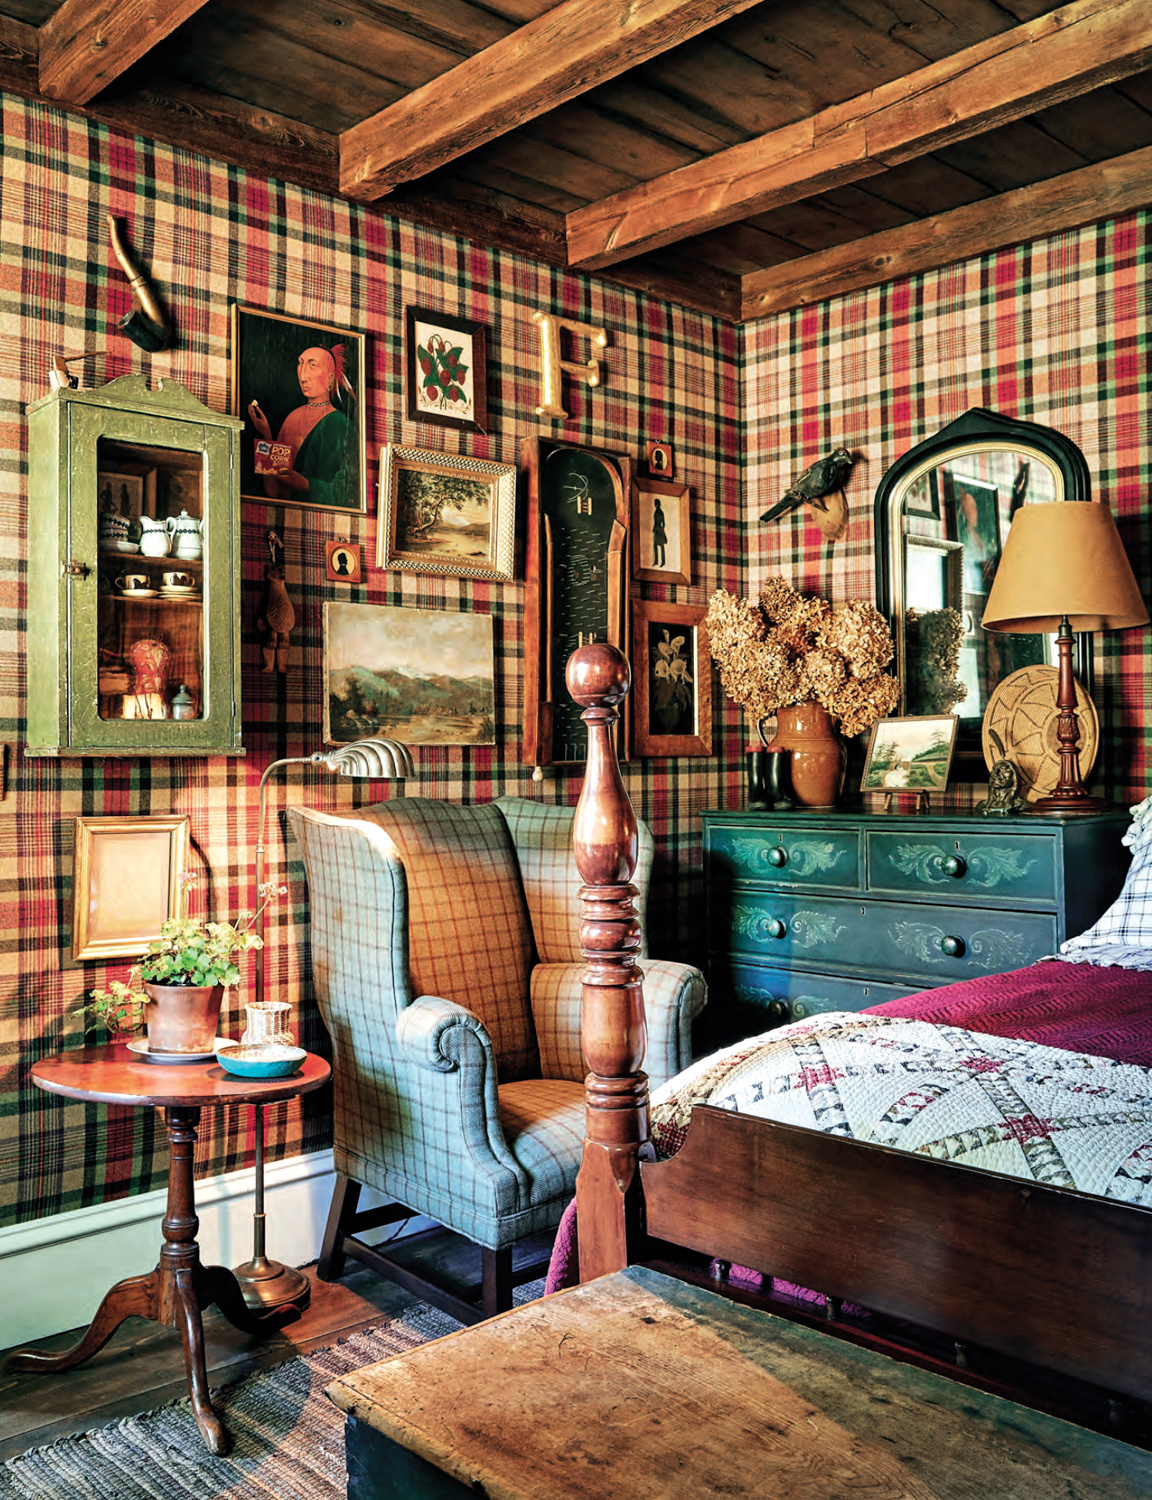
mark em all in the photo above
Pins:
pixel 279 615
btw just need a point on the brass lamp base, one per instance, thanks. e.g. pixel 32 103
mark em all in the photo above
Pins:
pixel 268 1283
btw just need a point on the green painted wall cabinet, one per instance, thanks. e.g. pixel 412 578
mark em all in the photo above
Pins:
pixel 133 573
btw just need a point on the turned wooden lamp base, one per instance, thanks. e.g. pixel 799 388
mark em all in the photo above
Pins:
pixel 1069 796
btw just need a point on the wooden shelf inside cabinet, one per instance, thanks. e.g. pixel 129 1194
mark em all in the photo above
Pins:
pixel 576 584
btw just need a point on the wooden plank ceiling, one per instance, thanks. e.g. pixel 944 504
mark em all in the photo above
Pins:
pixel 737 156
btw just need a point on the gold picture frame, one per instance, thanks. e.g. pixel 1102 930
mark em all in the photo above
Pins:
pixel 446 513
pixel 661 531
pixel 672 677
pixel 125 883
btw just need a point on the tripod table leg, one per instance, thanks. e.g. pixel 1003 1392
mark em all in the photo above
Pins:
pixel 134 1297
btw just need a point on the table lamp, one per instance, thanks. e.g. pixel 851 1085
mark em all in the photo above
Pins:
pixel 1064 568
pixel 269 1283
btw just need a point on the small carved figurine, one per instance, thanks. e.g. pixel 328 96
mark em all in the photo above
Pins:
pixel 821 489
pixel 279 615
pixel 1003 786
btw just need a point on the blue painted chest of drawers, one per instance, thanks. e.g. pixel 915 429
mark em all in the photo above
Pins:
pixel 841 911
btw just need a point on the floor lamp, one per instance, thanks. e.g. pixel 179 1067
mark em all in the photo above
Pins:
pixel 269 1283
pixel 1064 568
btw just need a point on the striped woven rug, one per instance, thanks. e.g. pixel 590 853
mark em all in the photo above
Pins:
pixel 287 1437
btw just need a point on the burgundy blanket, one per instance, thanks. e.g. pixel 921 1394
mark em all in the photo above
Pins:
pixel 1080 1007
pixel 1106 1012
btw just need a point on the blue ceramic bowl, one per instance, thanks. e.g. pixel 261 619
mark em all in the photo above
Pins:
pixel 261 1062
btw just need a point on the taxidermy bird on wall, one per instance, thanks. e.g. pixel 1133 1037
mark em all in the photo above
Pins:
pixel 821 489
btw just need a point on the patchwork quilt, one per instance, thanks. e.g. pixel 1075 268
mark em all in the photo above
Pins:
pixel 1063 1118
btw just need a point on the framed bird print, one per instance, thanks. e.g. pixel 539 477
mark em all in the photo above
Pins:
pixel 672 679
pixel 661 544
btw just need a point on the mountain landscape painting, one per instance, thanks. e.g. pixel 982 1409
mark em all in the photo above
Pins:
pixel 422 676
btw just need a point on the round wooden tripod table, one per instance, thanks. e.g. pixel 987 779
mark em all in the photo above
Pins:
pixel 180 1288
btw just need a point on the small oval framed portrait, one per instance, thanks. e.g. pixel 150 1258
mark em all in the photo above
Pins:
pixel 342 562
pixel 660 460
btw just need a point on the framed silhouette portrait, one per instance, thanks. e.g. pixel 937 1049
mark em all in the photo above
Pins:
pixel 661 545
pixel 342 562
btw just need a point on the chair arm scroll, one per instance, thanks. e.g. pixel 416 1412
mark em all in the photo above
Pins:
pixel 437 1034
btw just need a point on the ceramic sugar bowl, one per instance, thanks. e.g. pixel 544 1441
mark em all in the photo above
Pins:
pixel 186 532
pixel 154 538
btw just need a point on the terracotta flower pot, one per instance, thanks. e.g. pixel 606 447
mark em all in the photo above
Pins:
pixel 817 754
pixel 182 1017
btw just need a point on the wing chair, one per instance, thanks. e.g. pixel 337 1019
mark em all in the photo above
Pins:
pixel 447 970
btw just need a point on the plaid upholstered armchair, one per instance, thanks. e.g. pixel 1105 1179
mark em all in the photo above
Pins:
pixel 447 968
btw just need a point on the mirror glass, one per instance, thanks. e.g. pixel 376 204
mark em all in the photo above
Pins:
pixel 943 512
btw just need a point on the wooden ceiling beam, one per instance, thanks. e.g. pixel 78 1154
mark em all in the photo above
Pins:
pixel 554 58
pixel 87 44
pixel 270 146
pixel 1058 56
pixel 1100 191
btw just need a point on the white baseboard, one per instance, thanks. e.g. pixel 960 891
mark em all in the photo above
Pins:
pixel 54 1271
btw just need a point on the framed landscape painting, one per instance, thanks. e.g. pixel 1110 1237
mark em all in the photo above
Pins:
pixel 421 676
pixel 912 754
pixel 446 513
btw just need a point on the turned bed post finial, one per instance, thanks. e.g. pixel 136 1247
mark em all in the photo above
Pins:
pixel 613 1028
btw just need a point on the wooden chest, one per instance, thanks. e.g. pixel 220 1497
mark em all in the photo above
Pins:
pixel 636 1386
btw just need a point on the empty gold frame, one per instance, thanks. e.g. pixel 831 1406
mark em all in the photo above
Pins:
pixel 126 883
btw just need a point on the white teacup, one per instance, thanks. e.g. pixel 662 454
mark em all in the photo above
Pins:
pixel 131 583
pixel 178 580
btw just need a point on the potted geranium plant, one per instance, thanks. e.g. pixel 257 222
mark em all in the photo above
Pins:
pixel 177 988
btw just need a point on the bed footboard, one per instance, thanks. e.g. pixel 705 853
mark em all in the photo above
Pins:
pixel 1057 1278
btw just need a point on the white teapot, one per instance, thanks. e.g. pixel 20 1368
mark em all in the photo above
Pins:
pixel 186 532
pixel 154 538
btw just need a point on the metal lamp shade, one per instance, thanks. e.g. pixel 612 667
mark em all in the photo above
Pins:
pixel 1064 560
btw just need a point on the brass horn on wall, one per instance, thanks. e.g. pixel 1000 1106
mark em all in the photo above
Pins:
pixel 147 324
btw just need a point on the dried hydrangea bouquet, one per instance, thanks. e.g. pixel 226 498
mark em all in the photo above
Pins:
pixel 812 666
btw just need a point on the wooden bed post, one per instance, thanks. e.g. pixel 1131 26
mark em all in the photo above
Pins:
pixel 613 1029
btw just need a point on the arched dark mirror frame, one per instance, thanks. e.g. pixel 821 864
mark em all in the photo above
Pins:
pixel 977 430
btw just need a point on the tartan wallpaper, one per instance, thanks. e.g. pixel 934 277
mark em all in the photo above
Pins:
pixel 1054 331
pixel 211 236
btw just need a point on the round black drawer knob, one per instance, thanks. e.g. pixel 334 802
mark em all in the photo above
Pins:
pixel 777 856
pixel 777 927
pixel 956 866
pixel 778 1011
pixel 953 946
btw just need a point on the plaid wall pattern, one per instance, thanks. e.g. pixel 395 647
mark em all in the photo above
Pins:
pixel 211 236
pixel 1055 332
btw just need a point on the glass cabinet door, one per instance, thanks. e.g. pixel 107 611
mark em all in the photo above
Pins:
pixel 148 624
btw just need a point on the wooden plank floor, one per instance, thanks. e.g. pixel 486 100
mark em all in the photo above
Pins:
pixel 142 1366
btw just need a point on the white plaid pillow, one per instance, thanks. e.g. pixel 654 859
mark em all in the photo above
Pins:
pixel 1123 935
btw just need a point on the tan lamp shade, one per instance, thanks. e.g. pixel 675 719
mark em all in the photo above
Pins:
pixel 1064 558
